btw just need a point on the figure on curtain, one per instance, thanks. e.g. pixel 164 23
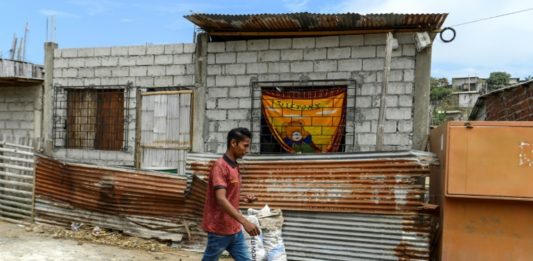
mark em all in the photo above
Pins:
pixel 298 138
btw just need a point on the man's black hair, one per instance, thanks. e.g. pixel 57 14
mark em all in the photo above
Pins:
pixel 238 134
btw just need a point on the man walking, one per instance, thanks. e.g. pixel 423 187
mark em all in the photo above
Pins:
pixel 222 219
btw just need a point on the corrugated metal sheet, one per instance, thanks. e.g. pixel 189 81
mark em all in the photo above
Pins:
pixel 16 181
pixel 117 191
pixel 389 183
pixel 165 130
pixel 310 22
pixel 334 236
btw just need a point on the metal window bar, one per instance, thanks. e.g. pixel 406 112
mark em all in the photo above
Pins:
pixel 94 117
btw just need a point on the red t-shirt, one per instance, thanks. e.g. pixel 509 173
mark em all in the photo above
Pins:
pixel 223 174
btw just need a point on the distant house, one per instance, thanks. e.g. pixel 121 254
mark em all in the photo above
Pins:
pixel 20 99
pixel 513 103
pixel 469 84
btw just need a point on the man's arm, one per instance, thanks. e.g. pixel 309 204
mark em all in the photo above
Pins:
pixel 222 201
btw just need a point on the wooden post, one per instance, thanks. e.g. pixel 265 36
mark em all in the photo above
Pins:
pixel 384 85
pixel 138 124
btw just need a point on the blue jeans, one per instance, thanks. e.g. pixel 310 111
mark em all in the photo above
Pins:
pixel 235 244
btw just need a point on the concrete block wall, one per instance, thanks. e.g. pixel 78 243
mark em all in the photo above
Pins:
pixel 235 67
pixel 19 108
pixel 146 66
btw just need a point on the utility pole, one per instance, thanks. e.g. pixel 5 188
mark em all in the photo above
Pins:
pixel 13 49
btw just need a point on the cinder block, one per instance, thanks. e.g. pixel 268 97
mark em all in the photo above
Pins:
pixel 57 73
pixel 109 61
pixel 398 113
pixel 289 77
pixel 127 79
pixel 234 69
pixel 183 58
pixel 155 49
pixel 157 70
pixel 119 51
pixel 364 52
pixel 363 101
pixel 184 80
pixel 190 69
pixel 126 61
pixel 325 66
pixel 214 69
pixel 338 75
pixel 245 103
pixel 76 62
pixel 268 77
pixel 225 126
pixel 339 53
pixel 147 81
pixel 405 126
pixel 268 56
pixel 228 103
pixel 137 50
pixel 409 75
pixel 217 92
pixel 402 63
pixel 243 80
pixel 406 101
pixel 396 139
pixel 70 72
pixel 391 101
pixel 109 80
pixel 366 139
pixel 398 87
pixel 221 58
pixel 189 48
pixel 211 103
pixel 369 114
pixel 350 65
pixel 145 60
pixel 315 54
pixel 253 68
pixel 173 48
pixel 373 64
pixel 351 40
pixel 390 126
pixel 218 115
pixel 222 80
pixel 69 53
pixel 284 43
pixel 302 43
pixel 57 53
pixel 102 72
pixel 120 72
pixel 60 63
pixel 239 114
pixel 93 61
pixel 256 45
pixel 216 47
pixel 163 81
pixel 236 46
pixel 405 38
pixel 362 126
pixel 163 59
pixel 210 81
pixel 239 92
pixel 380 51
pixel 247 57
pixel 86 72
pixel 327 41
pixel 281 67
pixel 408 50
pixel 85 52
pixel 375 39
pixel 91 81
pixel 292 55
pixel 302 66
pixel 178 69
pixel 102 51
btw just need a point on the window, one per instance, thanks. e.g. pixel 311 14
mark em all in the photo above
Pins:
pixel 303 119
pixel 95 119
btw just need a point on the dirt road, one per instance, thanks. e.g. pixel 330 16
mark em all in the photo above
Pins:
pixel 30 244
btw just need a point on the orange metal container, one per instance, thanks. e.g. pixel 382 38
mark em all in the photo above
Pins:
pixel 484 186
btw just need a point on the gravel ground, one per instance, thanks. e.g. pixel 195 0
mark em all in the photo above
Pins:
pixel 38 242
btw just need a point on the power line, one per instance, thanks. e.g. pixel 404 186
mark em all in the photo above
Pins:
pixel 492 17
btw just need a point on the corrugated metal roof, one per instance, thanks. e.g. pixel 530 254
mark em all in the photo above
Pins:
pixel 303 23
pixel 390 183
pixel 334 236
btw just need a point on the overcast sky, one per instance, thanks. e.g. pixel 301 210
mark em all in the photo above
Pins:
pixel 500 44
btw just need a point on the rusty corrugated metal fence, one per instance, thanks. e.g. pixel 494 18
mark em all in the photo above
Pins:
pixel 365 206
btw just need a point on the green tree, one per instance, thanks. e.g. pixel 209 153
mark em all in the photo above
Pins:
pixel 438 82
pixel 497 80
pixel 439 93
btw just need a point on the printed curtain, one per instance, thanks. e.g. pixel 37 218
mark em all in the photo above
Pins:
pixel 306 121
